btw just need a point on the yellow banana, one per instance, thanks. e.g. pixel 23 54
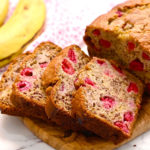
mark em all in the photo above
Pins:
pixel 25 22
pixel 3 10
pixel 10 58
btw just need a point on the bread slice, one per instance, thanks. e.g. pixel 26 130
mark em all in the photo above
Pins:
pixel 59 78
pixel 28 93
pixel 107 100
pixel 6 87
pixel 123 34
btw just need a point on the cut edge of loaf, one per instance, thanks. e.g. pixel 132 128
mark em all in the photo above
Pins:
pixel 89 121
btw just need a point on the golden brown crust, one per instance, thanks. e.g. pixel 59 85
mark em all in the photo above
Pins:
pixel 102 22
pixel 31 105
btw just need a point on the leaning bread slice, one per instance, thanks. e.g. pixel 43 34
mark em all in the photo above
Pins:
pixel 6 87
pixel 59 78
pixel 107 100
pixel 28 93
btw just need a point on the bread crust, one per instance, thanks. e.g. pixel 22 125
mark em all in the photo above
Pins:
pixel 31 105
pixel 51 81
pixel 102 23
pixel 6 106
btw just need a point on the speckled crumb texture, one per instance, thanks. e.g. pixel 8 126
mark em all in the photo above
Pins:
pixel 66 140
pixel 122 34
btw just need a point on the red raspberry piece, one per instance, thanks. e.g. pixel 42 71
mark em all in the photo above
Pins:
pixel 136 65
pixel 119 13
pixel 105 43
pixel 145 56
pixel 27 72
pixel 72 56
pixel 89 81
pixel 131 46
pixel 24 85
pixel 132 87
pixel 122 125
pixel 117 69
pixel 43 65
pixel 108 102
pixel 101 62
pixel 67 67
pixel 96 32
pixel 128 116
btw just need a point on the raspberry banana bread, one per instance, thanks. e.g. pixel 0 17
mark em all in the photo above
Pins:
pixel 107 99
pixel 28 93
pixel 6 87
pixel 123 35
pixel 59 78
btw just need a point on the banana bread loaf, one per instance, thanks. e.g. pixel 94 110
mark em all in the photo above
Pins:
pixel 123 35
pixel 28 93
pixel 6 88
pixel 107 100
pixel 59 78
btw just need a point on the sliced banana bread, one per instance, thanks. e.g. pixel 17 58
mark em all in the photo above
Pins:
pixel 6 87
pixel 28 93
pixel 107 100
pixel 123 35
pixel 59 78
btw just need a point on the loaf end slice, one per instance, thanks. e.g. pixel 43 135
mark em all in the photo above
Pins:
pixel 59 78
pixel 6 82
pixel 107 100
pixel 28 93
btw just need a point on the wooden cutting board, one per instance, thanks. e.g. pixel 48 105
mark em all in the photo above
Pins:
pixel 66 140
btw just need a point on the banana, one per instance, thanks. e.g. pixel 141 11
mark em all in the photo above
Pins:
pixel 3 10
pixel 26 21
pixel 10 58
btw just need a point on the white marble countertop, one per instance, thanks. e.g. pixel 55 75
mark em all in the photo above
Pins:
pixel 15 136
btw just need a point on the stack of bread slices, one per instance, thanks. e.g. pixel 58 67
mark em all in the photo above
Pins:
pixel 78 92
pixel 67 87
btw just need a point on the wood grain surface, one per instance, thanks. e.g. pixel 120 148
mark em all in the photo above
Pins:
pixel 67 140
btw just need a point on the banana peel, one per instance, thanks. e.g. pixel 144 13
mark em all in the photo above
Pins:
pixel 4 4
pixel 26 21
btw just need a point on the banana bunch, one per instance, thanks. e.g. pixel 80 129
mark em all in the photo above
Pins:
pixel 3 10
pixel 25 22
